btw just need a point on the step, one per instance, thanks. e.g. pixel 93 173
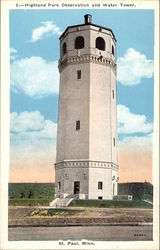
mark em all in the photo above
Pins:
pixel 61 202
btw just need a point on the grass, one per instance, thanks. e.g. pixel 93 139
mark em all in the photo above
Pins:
pixel 33 194
pixel 110 204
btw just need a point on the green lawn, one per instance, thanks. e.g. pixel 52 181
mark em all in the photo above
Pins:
pixel 110 204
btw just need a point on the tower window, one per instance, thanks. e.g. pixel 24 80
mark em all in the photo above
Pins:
pixel 112 50
pixel 64 49
pixel 100 198
pixel 100 43
pixel 78 74
pixel 77 125
pixel 59 185
pixel 114 141
pixel 113 94
pixel 100 185
pixel 79 42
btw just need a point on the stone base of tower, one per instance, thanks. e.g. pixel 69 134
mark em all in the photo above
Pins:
pixel 86 179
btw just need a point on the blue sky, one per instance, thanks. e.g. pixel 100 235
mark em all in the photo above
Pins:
pixel 34 44
pixel 137 33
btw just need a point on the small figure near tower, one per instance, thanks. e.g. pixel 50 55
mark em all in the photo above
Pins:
pixel 86 160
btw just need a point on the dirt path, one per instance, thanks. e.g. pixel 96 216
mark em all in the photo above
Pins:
pixel 20 216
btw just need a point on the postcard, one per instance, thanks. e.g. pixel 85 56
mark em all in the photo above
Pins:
pixel 79 119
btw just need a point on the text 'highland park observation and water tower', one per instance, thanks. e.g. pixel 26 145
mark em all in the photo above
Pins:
pixel 86 159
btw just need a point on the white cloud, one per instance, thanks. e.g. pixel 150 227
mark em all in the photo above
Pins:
pixel 13 53
pixel 26 121
pixel 32 140
pixel 32 137
pixel 47 28
pixel 141 143
pixel 13 50
pixel 32 125
pixel 35 77
pixel 132 67
pixel 130 123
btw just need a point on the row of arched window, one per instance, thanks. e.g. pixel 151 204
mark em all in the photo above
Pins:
pixel 79 44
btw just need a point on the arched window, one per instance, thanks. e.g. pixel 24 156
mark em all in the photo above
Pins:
pixel 64 49
pixel 112 50
pixel 79 42
pixel 100 43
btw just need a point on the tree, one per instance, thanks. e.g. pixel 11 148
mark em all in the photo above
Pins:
pixel 22 195
pixel 30 195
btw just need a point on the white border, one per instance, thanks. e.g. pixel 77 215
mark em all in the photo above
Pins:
pixel 5 109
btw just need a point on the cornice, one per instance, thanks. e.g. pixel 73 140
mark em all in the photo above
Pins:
pixel 85 59
pixel 86 164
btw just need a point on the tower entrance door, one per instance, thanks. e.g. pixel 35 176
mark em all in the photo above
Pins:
pixel 76 187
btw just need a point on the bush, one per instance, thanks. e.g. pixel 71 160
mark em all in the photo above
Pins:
pixel 32 194
pixel 109 204
pixel 29 202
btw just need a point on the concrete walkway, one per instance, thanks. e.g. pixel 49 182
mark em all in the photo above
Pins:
pixel 94 233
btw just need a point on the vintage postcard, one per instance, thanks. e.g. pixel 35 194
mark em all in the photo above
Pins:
pixel 80 128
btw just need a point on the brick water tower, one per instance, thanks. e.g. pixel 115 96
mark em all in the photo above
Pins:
pixel 86 160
